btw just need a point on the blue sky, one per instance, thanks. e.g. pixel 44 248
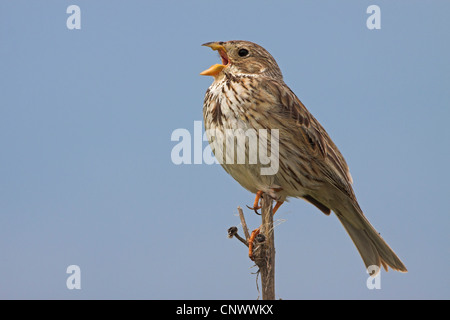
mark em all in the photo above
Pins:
pixel 86 176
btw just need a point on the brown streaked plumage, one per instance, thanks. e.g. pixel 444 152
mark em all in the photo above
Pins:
pixel 248 92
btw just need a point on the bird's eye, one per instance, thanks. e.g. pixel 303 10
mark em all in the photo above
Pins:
pixel 243 52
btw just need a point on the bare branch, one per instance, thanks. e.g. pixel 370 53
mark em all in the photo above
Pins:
pixel 232 232
pixel 244 224
pixel 264 249
pixel 265 256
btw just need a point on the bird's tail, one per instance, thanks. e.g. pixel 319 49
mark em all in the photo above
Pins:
pixel 371 246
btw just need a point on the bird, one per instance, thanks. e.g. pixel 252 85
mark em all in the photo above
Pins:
pixel 249 94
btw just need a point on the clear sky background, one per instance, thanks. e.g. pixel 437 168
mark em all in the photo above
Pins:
pixel 86 176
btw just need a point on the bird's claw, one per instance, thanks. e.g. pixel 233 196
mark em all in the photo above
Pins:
pixel 255 209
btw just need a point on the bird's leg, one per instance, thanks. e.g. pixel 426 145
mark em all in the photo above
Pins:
pixel 276 206
pixel 256 205
pixel 250 242
pixel 258 230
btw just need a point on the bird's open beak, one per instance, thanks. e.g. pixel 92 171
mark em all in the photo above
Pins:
pixel 217 68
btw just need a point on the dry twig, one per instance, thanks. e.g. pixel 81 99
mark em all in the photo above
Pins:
pixel 264 251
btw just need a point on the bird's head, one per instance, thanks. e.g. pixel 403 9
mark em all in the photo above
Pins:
pixel 242 58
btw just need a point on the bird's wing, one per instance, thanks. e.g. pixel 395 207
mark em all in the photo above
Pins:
pixel 290 111
pixel 312 139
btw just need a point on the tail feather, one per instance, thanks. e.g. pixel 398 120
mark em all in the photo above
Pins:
pixel 371 246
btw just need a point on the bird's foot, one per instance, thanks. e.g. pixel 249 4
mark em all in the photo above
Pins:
pixel 256 205
pixel 250 242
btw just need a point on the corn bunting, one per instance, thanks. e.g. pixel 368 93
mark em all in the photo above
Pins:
pixel 249 94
